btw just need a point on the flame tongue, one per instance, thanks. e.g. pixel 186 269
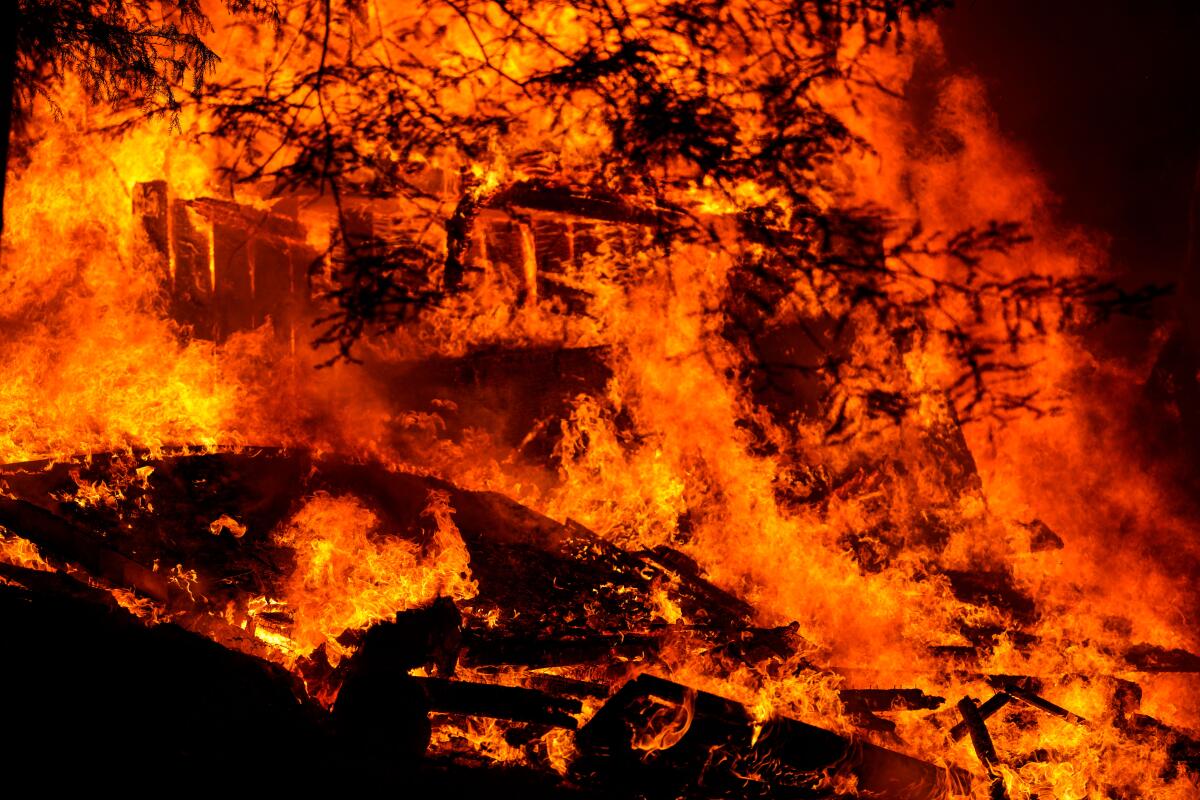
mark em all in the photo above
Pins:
pixel 350 574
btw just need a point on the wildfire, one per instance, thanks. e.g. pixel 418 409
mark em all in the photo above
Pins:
pixel 887 532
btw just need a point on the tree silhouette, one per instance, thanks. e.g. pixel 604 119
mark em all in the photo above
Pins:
pixel 618 112
pixel 122 51
pixel 599 108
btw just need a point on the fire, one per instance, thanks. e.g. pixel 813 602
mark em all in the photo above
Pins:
pixel 22 553
pixel 350 574
pixel 886 521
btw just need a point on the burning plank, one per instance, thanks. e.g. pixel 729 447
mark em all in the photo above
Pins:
pixel 549 595
pixel 660 736
pixel 502 702
pixel 981 740
pixel 982 711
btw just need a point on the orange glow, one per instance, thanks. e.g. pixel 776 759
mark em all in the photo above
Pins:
pixel 853 539
pixel 350 574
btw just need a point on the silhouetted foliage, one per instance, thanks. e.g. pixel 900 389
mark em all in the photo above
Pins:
pixel 626 109
pixel 122 52
pixel 674 95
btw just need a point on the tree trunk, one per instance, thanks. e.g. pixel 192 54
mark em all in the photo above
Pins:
pixel 8 76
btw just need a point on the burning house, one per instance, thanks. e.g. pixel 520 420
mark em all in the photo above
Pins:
pixel 590 399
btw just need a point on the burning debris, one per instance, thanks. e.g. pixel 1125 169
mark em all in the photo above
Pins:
pixel 546 632
pixel 568 400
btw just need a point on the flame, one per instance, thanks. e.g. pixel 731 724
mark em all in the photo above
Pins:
pixel 350 573
pixel 665 724
pixel 21 553
pixel 673 450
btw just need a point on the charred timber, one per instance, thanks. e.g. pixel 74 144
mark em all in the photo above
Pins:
pixel 661 737
pixel 513 703
pixel 890 699
pixel 555 651
pixel 1152 658
pixel 538 195
pixel 73 544
pixel 995 588
pixel 985 749
pixel 1042 704
pixel 571 687
pixel 984 710
pixel 710 602
pixel 281 230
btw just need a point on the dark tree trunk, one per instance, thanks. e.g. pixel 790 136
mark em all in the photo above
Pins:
pixel 8 76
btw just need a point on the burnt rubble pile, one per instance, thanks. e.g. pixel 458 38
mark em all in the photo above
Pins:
pixel 96 679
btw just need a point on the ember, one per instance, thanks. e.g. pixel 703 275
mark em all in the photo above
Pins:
pixel 636 399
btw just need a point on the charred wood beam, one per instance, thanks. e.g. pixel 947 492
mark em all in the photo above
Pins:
pixel 1152 658
pixel 1042 704
pixel 985 749
pixel 459 226
pixel 558 685
pixel 869 721
pixel 981 738
pixel 150 208
pixel 719 605
pixel 192 296
pixel 660 737
pixel 537 652
pixel 992 588
pixel 984 710
pixel 55 583
pixel 1126 702
pixel 890 699
pixel 751 647
pixel 265 225
pixel 543 196
pixel 71 543
pixel 863 705
pixel 116 570
pixel 958 652
pixel 513 703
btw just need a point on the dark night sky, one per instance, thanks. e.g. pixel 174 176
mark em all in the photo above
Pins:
pixel 1105 96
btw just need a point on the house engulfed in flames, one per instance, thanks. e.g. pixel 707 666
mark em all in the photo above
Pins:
pixel 555 534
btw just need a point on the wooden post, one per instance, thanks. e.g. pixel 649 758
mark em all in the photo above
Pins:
pixel 151 225
pixel 272 288
pixel 233 285
pixel 192 298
